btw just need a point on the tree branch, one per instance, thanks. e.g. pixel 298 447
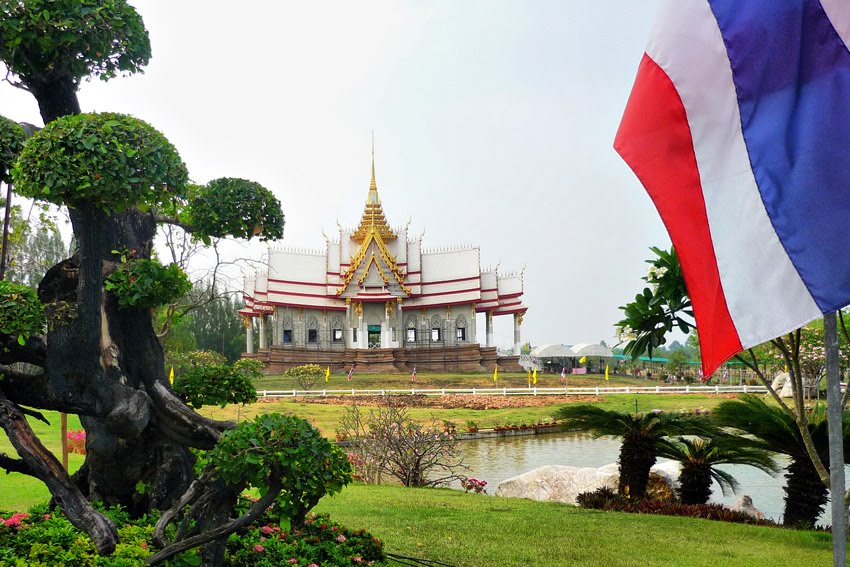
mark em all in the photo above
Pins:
pixel 254 512
pixel 181 424
pixel 43 465
pixel 33 351
pixel 172 221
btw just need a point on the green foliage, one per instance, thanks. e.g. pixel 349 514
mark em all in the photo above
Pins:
pixel 319 541
pixel 641 434
pixel 657 310
pixel 236 207
pixel 606 499
pixel 21 313
pixel 776 431
pixel 44 537
pixel 145 284
pixel 288 448
pixel 183 361
pixel 43 40
pixel 306 375
pixel 252 369
pixel 12 138
pixel 112 161
pixel 215 384
pixel 213 325
pixel 700 457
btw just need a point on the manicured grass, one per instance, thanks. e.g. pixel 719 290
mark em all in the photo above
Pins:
pixel 466 530
pixel 326 416
pixel 19 491
pixel 426 380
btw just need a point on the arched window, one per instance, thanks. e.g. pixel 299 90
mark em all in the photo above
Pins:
pixel 336 325
pixel 436 329
pixel 287 330
pixel 410 337
pixel 460 329
pixel 312 330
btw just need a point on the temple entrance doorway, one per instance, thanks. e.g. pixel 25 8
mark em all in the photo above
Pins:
pixel 374 336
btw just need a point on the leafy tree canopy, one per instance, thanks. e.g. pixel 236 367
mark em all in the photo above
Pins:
pixel 236 207
pixel 48 40
pixel 12 138
pixel 113 161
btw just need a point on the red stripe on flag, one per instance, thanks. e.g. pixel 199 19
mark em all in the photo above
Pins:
pixel 654 138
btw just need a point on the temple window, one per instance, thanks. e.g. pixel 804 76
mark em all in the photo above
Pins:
pixel 312 336
pixel 354 335
pixel 393 334
pixel 287 335
pixel 337 335
pixel 436 334
pixel 460 334
pixel 411 335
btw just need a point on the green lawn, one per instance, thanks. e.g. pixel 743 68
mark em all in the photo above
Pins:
pixel 425 380
pixel 466 530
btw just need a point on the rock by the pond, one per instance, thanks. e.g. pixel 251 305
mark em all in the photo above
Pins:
pixel 745 505
pixel 558 483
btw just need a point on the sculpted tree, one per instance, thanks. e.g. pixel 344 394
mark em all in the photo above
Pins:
pixel 100 357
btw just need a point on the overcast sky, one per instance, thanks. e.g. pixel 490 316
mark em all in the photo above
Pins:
pixel 493 124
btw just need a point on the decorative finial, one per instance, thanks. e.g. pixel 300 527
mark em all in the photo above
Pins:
pixel 373 186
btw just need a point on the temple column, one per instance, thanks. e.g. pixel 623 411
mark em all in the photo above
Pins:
pixel 249 335
pixel 488 320
pixel 262 329
pixel 278 326
pixel 401 333
pixel 517 339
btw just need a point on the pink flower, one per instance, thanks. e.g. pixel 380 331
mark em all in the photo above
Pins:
pixel 267 529
pixel 258 547
pixel 293 561
pixel 357 559
pixel 340 538
pixel 312 565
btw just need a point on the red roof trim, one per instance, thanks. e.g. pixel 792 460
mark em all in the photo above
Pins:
pixel 299 283
pixel 452 281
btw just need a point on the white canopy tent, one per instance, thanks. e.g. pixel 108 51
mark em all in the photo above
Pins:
pixel 592 349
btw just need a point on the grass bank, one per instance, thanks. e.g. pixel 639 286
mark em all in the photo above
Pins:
pixel 466 530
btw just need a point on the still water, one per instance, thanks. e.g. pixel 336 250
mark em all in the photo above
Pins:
pixel 498 459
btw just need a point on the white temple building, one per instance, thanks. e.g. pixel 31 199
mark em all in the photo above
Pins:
pixel 374 299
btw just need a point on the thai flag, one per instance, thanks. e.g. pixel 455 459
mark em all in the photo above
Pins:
pixel 350 374
pixel 563 373
pixel 738 126
pixel 413 376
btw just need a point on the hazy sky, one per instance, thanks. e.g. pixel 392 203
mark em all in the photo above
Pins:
pixel 493 123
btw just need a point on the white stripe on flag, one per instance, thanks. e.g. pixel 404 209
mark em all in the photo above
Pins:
pixel 764 292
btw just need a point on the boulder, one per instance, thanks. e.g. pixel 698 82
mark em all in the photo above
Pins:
pixel 745 505
pixel 558 483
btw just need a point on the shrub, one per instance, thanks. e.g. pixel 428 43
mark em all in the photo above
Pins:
pixel 306 375
pixel 388 441
pixel 182 361
pixel 216 384
pixel 288 448
pixel 606 499
pixel 474 485
pixel 45 538
pixel 319 541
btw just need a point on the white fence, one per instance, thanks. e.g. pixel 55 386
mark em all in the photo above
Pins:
pixel 533 391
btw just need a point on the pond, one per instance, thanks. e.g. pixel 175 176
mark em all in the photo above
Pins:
pixel 498 459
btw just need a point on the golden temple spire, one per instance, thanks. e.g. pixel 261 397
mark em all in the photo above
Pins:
pixel 373 216
pixel 373 186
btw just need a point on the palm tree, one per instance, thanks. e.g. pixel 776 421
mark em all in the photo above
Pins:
pixel 776 431
pixel 700 456
pixel 640 432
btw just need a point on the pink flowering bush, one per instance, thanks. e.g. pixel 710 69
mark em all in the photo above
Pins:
pixel 319 543
pixel 474 485
pixel 76 441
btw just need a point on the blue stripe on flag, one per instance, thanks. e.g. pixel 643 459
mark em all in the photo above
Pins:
pixel 792 75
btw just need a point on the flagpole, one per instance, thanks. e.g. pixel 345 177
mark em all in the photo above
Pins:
pixel 836 441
